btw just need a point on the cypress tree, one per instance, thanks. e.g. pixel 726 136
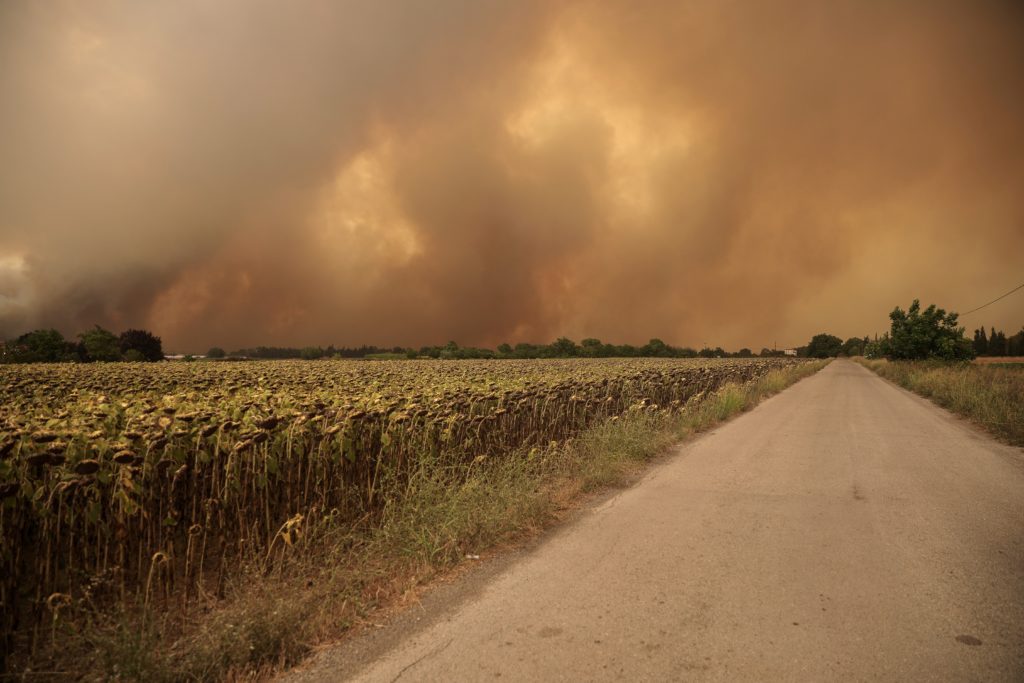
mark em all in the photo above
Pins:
pixel 980 342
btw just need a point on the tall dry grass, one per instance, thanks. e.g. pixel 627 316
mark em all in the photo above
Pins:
pixel 990 395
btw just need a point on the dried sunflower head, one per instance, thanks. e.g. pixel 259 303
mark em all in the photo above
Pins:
pixel 87 467
pixel 125 457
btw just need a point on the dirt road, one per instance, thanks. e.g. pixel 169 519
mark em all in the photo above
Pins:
pixel 844 529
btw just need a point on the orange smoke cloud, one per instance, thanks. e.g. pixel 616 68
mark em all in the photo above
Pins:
pixel 727 173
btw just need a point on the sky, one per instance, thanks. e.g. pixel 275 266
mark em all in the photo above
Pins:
pixel 716 172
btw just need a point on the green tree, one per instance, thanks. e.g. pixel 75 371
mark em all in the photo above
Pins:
pixel 656 348
pixel 565 348
pixel 824 346
pixel 39 346
pixel 311 353
pixel 215 352
pixel 744 353
pixel 449 351
pixel 146 344
pixel 854 346
pixel 980 342
pixel 997 343
pixel 879 348
pixel 101 345
pixel 591 348
pixel 1016 343
pixel 931 333
pixel 524 350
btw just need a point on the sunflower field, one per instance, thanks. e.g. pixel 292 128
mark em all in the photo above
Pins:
pixel 147 482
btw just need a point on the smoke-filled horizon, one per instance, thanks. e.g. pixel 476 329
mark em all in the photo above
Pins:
pixel 735 174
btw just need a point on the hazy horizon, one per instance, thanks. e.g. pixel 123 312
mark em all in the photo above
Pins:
pixel 237 173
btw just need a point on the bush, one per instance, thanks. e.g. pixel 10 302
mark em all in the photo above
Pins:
pixel 928 334
pixel 824 346
pixel 100 345
pixel 146 345
pixel 39 346
pixel 311 353
pixel 854 346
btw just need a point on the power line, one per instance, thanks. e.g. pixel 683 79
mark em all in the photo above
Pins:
pixel 993 300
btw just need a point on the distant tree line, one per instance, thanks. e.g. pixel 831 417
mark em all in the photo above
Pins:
pixel 831 346
pixel 305 352
pixel 918 334
pixel 997 343
pixel 564 347
pixel 561 348
pixel 97 344
pixel 915 334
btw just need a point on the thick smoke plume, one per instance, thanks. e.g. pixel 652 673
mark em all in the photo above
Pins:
pixel 729 173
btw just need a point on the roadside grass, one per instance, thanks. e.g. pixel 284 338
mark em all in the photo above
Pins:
pixel 340 578
pixel 999 360
pixel 991 394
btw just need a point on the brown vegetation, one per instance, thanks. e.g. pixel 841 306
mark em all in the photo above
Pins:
pixel 139 490
pixel 988 392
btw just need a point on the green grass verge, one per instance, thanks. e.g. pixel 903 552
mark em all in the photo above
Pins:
pixel 339 578
pixel 991 395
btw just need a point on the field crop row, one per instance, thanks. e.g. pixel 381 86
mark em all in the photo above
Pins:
pixel 135 482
